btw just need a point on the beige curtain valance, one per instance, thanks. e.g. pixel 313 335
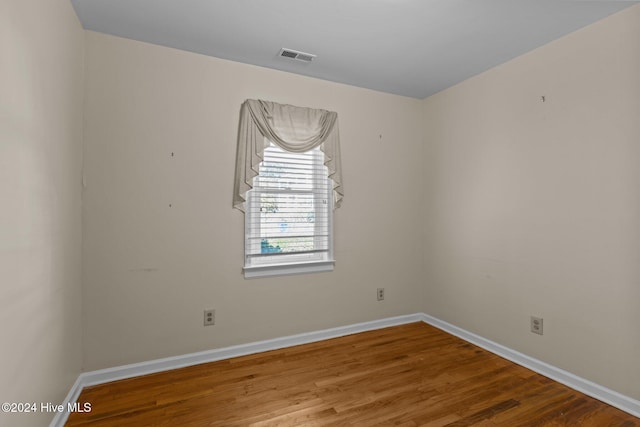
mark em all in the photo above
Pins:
pixel 294 129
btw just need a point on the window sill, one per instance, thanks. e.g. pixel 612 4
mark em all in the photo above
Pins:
pixel 287 269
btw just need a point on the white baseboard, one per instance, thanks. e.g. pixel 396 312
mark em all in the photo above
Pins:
pixel 72 397
pixel 604 394
pixel 102 376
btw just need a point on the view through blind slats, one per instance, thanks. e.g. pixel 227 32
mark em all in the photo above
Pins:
pixel 288 212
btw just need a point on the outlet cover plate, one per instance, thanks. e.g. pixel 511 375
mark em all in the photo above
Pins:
pixel 537 325
pixel 209 317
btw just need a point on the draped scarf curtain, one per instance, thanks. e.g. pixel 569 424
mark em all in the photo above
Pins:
pixel 294 129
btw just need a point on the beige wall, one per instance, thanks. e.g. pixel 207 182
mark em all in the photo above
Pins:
pixel 533 208
pixel 41 73
pixel 150 270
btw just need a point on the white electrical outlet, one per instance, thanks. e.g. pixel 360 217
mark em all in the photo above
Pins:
pixel 209 317
pixel 380 294
pixel 536 325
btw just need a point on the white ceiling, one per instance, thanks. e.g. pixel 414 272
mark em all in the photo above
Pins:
pixel 406 47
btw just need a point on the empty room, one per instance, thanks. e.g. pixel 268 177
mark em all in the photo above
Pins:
pixel 319 213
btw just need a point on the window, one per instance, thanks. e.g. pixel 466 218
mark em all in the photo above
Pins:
pixel 288 216
pixel 287 182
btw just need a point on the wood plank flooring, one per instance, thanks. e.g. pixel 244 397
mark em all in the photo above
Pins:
pixel 409 375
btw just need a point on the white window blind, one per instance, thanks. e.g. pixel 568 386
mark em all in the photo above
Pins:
pixel 288 217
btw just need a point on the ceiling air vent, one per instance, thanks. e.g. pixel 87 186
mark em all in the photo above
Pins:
pixel 298 56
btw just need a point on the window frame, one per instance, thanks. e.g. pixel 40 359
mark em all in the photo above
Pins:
pixel 288 265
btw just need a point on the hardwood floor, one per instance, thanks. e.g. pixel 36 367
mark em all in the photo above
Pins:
pixel 409 375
